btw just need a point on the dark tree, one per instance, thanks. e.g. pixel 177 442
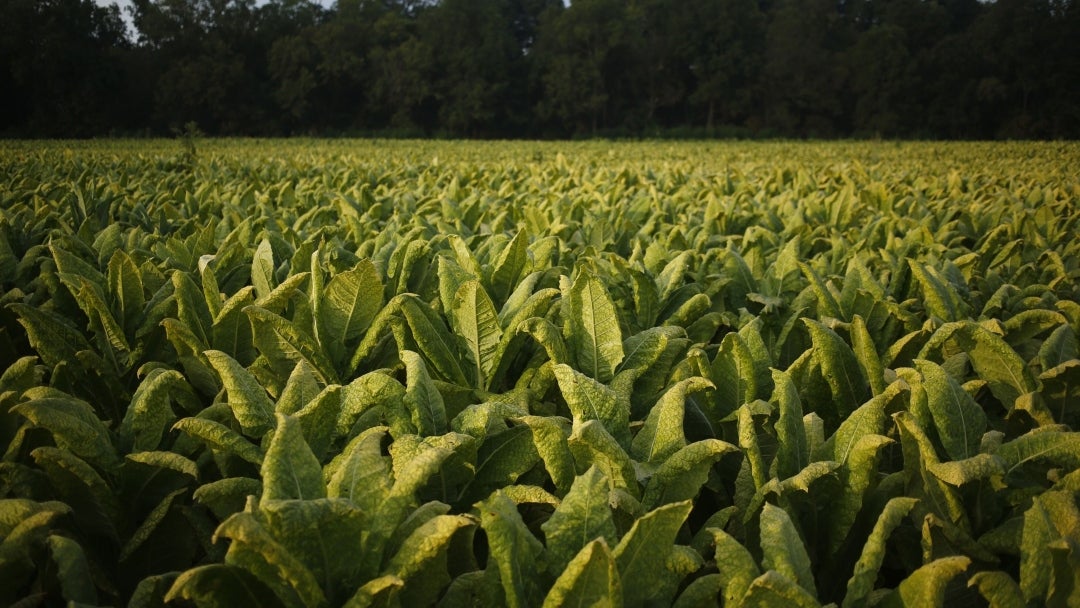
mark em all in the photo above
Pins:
pixel 61 68
pixel 528 68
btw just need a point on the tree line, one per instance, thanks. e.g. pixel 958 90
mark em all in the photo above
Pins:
pixel 543 68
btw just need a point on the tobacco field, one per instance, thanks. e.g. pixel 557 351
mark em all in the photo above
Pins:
pixel 309 374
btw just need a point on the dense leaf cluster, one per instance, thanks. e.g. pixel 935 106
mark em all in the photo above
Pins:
pixel 398 374
pixel 543 68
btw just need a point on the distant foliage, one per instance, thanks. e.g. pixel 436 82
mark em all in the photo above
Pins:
pixel 944 69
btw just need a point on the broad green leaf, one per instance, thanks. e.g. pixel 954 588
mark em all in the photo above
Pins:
pixel 960 422
pixel 681 476
pixel 800 482
pixel 502 458
pixel 149 525
pixel 642 553
pixel 857 474
pixel 926 586
pixel 1052 446
pixel 591 444
pixel 998 588
pixel 434 340
pixel 156 473
pixel 827 304
pixel 151 591
pixel 703 592
pixel 473 318
pixel 376 335
pixel 211 289
pixel 1065 580
pixel 1052 515
pixel 662 435
pixel 50 334
pixel 191 307
pixel 422 400
pixel 1025 325
pixel 737 567
pixel 919 457
pixel 368 392
pixel 231 330
pixel 671 277
pixel 522 494
pixel 94 504
pixel 547 336
pixel 300 389
pixel 247 399
pixel 284 344
pixel 412 522
pixel 362 473
pixel 994 361
pixel 868 419
pixel 347 305
pixel 18 548
pixel 278 299
pixel 126 289
pixel 253 549
pixel 13 511
pixel 959 472
pixel 793 452
pixel 69 262
pixel 733 374
pixel 775 589
pixel 74 427
pixel 748 441
pixel 319 418
pixel 290 469
pixel 72 570
pixel 941 299
pixel 582 516
pixel 464 257
pixel 507 268
pixel 592 328
pixel 1059 347
pixel 751 335
pixel 691 311
pixel 866 354
pixel 91 300
pixel 221 586
pixel 526 295
pixel 451 277
pixel 22 375
pixel 512 339
pixel 518 555
pixel 421 563
pixel 381 592
pixel 862 580
pixel 324 534
pixel 646 371
pixel 1061 392
pixel 783 549
pixel 262 269
pixel 589 579
pixel 220 438
pixel 590 400
pixel 227 496
pixel 149 413
pixel 550 439
pixel 840 368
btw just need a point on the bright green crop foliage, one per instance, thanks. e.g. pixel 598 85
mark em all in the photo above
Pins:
pixel 341 373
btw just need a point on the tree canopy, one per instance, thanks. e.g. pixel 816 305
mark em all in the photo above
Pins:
pixel 542 68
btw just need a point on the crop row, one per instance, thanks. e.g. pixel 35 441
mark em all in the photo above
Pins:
pixel 307 374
